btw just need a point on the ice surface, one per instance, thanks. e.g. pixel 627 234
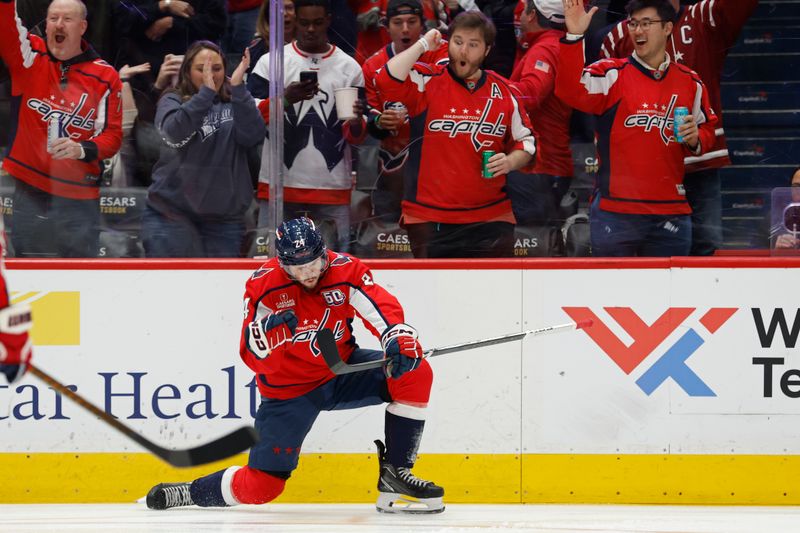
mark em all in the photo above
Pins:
pixel 350 518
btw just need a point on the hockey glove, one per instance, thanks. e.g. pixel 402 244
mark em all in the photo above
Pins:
pixel 279 328
pixel 402 350
pixel 15 346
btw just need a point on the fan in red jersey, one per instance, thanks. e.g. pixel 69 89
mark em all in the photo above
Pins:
pixel 287 301
pixel 67 118
pixel 640 207
pixel 468 131
pixel 388 120
pixel 701 39
pixel 536 191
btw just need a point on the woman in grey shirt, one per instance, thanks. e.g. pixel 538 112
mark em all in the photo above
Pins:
pixel 201 183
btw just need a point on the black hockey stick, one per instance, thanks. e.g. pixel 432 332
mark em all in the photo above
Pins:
pixel 231 444
pixel 327 345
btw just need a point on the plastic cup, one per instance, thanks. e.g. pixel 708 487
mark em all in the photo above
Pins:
pixel 176 59
pixel 345 97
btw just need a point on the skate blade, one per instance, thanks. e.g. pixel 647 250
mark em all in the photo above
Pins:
pixel 401 504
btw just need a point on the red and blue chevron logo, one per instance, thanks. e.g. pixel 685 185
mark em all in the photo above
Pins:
pixel 648 337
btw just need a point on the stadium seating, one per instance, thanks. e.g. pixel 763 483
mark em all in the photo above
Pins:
pixel 761 112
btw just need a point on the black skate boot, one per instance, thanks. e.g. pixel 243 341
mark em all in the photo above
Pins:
pixel 400 491
pixel 166 495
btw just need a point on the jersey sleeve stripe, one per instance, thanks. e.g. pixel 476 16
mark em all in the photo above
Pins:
pixel 28 55
pixel 705 157
pixel 697 109
pixel 367 309
pixel 102 114
pixel 519 131
pixel 419 79
pixel 599 84
pixel 711 14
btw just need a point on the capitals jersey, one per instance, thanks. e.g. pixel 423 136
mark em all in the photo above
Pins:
pixel 316 155
pixel 701 39
pixel 346 290
pixel 451 126
pixel 641 164
pixel 83 94
pixel 393 153
pixel 535 77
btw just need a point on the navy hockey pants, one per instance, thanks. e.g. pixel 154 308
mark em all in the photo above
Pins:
pixel 282 425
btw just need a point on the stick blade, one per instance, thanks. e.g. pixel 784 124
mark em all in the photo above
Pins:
pixel 216 450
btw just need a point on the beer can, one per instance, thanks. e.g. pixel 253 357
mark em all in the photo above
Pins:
pixel 678 120
pixel 53 132
pixel 487 154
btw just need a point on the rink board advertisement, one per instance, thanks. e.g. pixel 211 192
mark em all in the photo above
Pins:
pixel 684 389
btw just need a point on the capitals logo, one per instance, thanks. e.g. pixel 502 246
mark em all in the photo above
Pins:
pixel 49 108
pixel 472 122
pixel 647 340
pixel 649 118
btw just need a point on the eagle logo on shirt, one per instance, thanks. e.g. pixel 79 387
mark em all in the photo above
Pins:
pixel 314 123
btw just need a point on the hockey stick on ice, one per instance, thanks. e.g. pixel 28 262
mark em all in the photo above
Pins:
pixel 230 444
pixel 327 345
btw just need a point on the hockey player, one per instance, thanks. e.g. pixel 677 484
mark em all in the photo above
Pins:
pixel 15 321
pixel 640 207
pixel 288 299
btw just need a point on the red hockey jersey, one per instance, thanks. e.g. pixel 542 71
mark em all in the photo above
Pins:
pixel 345 291
pixel 392 154
pixel 701 39
pixel 84 92
pixel 535 77
pixel 451 126
pixel 641 164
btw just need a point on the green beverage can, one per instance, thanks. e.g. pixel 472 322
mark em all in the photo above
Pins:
pixel 487 154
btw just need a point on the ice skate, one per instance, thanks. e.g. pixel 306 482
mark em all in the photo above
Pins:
pixel 167 495
pixel 400 491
